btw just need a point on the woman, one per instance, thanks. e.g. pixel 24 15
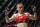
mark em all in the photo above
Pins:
pixel 21 17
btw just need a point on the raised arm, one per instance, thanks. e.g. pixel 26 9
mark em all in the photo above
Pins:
pixel 32 17
pixel 8 20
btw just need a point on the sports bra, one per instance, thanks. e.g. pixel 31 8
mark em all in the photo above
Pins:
pixel 21 18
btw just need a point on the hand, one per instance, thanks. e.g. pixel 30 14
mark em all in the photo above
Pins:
pixel 6 13
pixel 34 9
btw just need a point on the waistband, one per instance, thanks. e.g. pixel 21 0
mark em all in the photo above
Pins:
pixel 22 22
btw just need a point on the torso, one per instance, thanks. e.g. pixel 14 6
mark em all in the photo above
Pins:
pixel 20 18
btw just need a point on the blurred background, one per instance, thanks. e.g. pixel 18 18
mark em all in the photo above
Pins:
pixel 10 6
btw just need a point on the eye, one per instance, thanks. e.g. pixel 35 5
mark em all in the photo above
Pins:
pixel 21 7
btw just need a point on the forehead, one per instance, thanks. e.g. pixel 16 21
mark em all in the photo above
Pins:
pixel 20 5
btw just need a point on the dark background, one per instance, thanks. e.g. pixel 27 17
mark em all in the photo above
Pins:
pixel 11 5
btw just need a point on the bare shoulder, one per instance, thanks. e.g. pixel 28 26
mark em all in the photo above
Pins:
pixel 27 13
pixel 14 14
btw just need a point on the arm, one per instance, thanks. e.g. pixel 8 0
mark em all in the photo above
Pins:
pixel 8 20
pixel 33 17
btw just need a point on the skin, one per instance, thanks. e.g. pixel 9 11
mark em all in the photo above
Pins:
pixel 20 9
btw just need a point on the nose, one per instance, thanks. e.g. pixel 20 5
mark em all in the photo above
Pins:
pixel 21 8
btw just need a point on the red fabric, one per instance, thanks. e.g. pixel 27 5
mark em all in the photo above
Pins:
pixel 21 18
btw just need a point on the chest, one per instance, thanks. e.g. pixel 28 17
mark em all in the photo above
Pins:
pixel 21 17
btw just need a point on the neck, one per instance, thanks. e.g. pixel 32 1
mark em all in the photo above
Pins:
pixel 20 12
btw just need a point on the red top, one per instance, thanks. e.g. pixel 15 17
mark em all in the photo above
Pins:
pixel 21 18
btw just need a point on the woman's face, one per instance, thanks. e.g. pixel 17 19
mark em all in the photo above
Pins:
pixel 20 8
